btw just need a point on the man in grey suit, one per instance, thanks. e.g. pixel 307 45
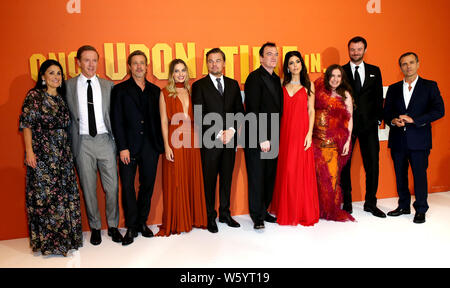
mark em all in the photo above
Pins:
pixel 88 98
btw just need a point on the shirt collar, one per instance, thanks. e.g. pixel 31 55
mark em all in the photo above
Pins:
pixel 353 65
pixel 413 84
pixel 84 78
pixel 213 78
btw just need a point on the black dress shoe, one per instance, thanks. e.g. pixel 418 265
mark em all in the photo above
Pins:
pixel 115 235
pixel 230 221
pixel 419 218
pixel 270 218
pixel 258 225
pixel 129 236
pixel 399 211
pixel 96 237
pixel 145 231
pixel 375 211
pixel 212 226
pixel 348 208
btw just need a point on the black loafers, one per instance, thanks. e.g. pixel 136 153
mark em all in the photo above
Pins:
pixel 375 211
pixel 115 235
pixel 96 237
pixel 399 211
pixel 230 221
pixel 419 218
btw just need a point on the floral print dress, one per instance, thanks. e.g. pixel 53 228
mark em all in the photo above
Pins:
pixel 52 195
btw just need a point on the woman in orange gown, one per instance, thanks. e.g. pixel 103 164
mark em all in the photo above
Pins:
pixel 295 199
pixel 182 178
pixel 331 139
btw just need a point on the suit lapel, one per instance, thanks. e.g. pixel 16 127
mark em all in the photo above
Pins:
pixel 414 94
pixel 367 72
pixel 402 100
pixel 348 72
pixel 131 88
pixel 212 86
pixel 269 85
pixel 104 98
pixel 74 97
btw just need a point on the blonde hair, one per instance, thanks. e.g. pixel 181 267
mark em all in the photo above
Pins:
pixel 171 86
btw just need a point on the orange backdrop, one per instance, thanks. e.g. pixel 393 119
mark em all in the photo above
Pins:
pixel 33 31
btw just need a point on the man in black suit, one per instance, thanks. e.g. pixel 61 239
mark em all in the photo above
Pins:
pixel 367 116
pixel 411 106
pixel 263 99
pixel 137 130
pixel 221 95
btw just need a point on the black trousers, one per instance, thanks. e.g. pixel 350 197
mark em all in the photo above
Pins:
pixel 418 159
pixel 136 210
pixel 218 161
pixel 370 149
pixel 261 175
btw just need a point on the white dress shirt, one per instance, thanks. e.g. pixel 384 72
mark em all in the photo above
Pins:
pixel 407 94
pixel 361 71
pixel 213 79
pixel 82 86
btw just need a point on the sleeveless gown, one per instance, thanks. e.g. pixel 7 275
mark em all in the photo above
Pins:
pixel 329 136
pixel 295 198
pixel 184 203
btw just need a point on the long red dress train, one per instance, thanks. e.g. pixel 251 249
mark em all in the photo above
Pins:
pixel 295 199
pixel 182 180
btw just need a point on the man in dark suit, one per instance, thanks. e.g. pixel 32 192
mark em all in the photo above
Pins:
pixel 218 94
pixel 367 94
pixel 137 130
pixel 263 99
pixel 411 106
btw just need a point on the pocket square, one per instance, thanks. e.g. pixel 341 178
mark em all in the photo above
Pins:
pixel 371 75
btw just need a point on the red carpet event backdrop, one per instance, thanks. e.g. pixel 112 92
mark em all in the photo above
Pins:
pixel 33 31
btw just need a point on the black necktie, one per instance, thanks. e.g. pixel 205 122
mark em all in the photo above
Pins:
pixel 91 114
pixel 219 86
pixel 357 81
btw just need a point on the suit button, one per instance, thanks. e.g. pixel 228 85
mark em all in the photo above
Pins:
pixel 142 122
pixel 142 133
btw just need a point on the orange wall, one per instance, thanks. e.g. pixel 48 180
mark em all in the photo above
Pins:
pixel 315 27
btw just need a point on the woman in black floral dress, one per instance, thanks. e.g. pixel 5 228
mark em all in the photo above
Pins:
pixel 52 195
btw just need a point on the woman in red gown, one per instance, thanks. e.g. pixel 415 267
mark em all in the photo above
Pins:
pixel 295 198
pixel 184 203
pixel 331 140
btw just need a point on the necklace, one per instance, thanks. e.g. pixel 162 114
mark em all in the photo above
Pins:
pixel 295 82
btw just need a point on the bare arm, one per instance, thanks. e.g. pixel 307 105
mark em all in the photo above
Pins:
pixel 349 105
pixel 30 157
pixel 312 115
pixel 165 127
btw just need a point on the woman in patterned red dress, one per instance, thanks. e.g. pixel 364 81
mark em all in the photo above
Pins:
pixel 331 139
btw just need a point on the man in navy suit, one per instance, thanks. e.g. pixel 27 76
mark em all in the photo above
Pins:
pixel 137 131
pixel 411 105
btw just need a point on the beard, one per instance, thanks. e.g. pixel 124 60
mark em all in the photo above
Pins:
pixel 357 58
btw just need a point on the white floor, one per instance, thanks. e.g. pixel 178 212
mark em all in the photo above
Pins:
pixel 369 242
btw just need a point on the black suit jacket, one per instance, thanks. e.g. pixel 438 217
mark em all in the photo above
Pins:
pixel 369 102
pixel 205 93
pixel 135 117
pixel 426 105
pixel 263 94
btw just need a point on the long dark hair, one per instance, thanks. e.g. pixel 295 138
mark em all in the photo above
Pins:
pixel 39 86
pixel 344 86
pixel 304 78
